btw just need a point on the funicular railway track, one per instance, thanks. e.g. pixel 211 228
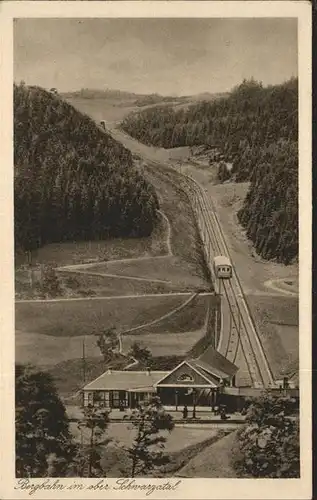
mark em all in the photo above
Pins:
pixel 241 330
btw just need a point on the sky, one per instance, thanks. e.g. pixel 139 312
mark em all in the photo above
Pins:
pixel 166 56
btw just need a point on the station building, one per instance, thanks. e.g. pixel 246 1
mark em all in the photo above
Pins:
pixel 194 382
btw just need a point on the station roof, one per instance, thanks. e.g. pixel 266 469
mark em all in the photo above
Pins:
pixel 120 380
pixel 211 365
pixel 213 362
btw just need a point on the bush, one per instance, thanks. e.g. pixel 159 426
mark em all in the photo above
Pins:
pixel 268 445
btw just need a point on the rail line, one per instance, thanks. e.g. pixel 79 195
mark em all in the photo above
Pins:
pixel 241 330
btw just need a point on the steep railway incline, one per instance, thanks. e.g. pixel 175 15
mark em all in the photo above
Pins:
pixel 238 328
pixel 241 329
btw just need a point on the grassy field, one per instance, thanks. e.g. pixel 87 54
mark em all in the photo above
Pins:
pixel 185 239
pixel 67 318
pixel 76 285
pixel 278 327
pixel 69 253
pixel 48 350
pixel 68 375
pixel 182 444
pixel 109 286
pixel 164 344
pixel 214 461
pixel 123 435
pixel 192 317
pixel 169 268
pixel 116 462
pixel 111 110
pixel 49 333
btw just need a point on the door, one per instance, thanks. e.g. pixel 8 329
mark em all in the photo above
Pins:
pixel 119 399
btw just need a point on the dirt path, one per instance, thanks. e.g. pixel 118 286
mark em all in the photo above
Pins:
pixel 169 233
pixel 279 285
pixel 84 268
pixel 117 276
pixel 112 297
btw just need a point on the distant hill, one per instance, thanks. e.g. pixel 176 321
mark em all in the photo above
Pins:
pixel 112 94
pixel 207 96
pixel 72 181
pixel 256 129
pixel 140 100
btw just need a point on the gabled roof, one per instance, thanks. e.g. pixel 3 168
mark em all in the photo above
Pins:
pixel 204 373
pixel 215 363
pixel 205 378
pixel 210 370
pixel 125 380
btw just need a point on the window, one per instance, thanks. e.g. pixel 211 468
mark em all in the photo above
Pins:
pixel 100 398
pixel 185 377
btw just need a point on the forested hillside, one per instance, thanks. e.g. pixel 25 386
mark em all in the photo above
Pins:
pixel 256 130
pixel 270 211
pixel 72 181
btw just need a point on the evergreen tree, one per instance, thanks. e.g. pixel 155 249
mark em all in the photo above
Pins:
pixel 256 129
pixel 149 420
pixel 43 443
pixel 94 425
pixel 72 181
pixel 141 354
pixel 107 341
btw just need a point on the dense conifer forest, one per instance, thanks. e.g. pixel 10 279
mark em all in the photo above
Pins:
pixel 256 129
pixel 72 181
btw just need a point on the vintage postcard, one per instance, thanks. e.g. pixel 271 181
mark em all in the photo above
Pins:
pixel 156 250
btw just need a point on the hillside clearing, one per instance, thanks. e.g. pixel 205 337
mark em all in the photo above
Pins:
pixel 170 268
pixel 79 252
pixel 214 461
pixel 68 375
pixel 76 318
pixel 99 109
pixel 123 434
pixel 185 239
pixel 47 350
pixel 164 344
pixel 279 332
pixel 192 317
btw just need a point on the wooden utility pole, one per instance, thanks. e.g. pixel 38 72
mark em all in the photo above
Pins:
pixel 84 361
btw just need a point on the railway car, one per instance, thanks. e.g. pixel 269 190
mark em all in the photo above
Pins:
pixel 222 267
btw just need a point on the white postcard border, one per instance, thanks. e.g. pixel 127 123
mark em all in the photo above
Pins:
pixel 188 488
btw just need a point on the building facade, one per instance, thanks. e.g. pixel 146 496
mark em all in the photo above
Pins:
pixel 194 382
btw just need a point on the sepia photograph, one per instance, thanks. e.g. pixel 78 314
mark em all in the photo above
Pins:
pixel 156 248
